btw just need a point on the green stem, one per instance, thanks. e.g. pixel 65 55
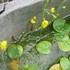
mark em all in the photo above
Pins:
pixel 43 13
pixel 53 15
pixel 59 7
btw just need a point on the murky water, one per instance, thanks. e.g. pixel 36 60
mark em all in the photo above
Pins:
pixel 30 55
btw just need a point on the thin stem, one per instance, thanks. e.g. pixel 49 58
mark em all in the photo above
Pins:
pixel 43 13
pixel 44 36
pixel 59 7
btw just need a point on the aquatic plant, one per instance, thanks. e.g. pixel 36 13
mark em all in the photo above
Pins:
pixel 64 64
pixel 41 39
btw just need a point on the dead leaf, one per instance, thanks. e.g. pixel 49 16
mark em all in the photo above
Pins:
pixel 56 67
pixel 13 65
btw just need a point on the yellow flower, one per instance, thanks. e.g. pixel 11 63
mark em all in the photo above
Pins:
pixel 63 7
pixel 3 45
pixel 44 24
pixel 52 9
pixel 34 17
pixel 33 21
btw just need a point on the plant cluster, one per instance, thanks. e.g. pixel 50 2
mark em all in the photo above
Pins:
pixel 60 30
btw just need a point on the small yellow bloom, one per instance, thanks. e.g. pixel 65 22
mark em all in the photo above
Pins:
pixel 52 9
pixel 34 17
pixel 23 32
pixel 44 24
pixel 63 7
pixel 3 45
pixel 33 21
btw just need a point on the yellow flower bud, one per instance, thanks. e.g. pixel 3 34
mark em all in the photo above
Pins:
pixel 3 45
pixel 63 7
pixel 34 17
pixel 52 9
pixel 44 24
pixel 23 32
pixel 33 21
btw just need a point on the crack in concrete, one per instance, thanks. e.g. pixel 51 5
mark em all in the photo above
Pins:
pixel 3 9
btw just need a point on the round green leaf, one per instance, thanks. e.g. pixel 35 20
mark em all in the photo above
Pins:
pixel 64 46
pixel 66 28
pixel 32 68
pixel 58 25
pixel 65 63
pixel 43 47
pixel 14 51
pixel 61 37
pixel 20 50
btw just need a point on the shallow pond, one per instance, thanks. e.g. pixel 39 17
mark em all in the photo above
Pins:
pixel 30 55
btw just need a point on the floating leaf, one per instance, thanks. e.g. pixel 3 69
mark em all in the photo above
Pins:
pixel 43 47
pixel 15 51
pixel 61 37
pixel 20 50
pixel 56 67
pixel 58 24
pixel 65 63
pixel 32 68
pixel 66 28
pixel 64 46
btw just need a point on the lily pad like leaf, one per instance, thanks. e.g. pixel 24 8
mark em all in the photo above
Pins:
pixel 66 28
pixel 65 63
pixel 32 68
pixel 61 37
pixel 14 51
pixel 58 24
pixel 20 50
pixel 43 47
pixel 64 46
pixel 56 67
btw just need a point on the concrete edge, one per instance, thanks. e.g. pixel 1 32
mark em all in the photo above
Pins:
pixel 14 5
